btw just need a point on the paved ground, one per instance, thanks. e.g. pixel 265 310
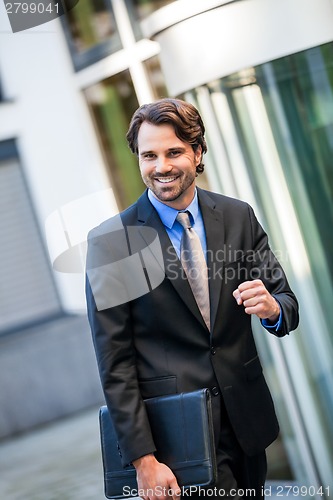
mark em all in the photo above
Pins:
pixel 60 461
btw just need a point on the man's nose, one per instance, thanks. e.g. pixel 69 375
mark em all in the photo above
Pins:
pixel 163 165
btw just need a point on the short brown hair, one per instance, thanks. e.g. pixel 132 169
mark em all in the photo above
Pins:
pixel 183 116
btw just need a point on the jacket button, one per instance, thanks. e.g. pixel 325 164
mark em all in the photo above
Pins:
pixel 213 350
pixel 215 391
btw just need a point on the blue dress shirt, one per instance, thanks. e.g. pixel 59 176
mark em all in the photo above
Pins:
pixel 175 230
pixel 173 227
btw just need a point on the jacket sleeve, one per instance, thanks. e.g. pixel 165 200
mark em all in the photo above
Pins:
pixel 267 268
pixel 115 352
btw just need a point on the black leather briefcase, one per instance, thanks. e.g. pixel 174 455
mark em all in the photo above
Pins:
pixel 182 429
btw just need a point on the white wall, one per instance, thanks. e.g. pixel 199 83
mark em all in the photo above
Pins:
pixel 47 114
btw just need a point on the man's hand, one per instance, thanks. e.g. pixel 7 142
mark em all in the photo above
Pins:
pixel 257 300
pixel 155 480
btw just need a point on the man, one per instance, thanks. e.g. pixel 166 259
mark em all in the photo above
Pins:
pixel 169 340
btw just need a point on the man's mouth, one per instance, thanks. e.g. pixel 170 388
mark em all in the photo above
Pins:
pixel 166 180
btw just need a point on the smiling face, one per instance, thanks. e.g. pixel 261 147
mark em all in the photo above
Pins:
pixel 167 164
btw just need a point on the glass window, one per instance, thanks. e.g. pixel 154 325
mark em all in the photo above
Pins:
pixel 304 82
pixel 91 31
pixel 140 9
pixel 112 103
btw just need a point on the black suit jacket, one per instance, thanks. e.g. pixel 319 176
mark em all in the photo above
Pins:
pixel 157 343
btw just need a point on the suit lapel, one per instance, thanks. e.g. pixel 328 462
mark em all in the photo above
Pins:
pixel 148 217
pixel 214 228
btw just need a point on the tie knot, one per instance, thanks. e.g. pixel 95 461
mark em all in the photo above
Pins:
pixel 184 219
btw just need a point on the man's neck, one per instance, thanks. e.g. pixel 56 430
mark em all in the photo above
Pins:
pixel 180 203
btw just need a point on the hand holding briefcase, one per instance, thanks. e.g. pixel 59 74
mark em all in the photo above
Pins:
pixel 182 429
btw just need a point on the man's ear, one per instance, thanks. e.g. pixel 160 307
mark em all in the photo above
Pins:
pixel 198 155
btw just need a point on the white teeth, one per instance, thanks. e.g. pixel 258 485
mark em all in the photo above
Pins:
pixel 165 180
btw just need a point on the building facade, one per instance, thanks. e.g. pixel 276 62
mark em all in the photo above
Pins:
pixel 261 73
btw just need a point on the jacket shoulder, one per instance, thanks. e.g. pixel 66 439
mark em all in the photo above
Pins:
pixel 224 202
pixel 115 223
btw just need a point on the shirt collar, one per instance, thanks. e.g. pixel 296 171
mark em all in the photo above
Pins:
pixel 168 214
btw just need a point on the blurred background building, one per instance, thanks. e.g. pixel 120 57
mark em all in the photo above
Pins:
pixel 261 73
